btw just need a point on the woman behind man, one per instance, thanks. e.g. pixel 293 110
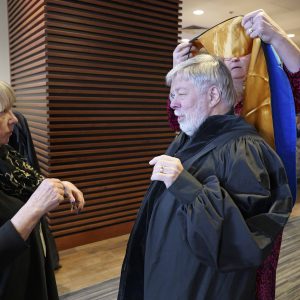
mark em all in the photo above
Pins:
pixel 25 197
pixel 256 24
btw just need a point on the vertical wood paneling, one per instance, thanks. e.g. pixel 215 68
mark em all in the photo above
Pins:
pixel 89 76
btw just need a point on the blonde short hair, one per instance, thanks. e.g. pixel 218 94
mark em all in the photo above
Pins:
pixel 7 96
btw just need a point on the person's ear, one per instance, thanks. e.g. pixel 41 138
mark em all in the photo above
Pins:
pixel 214 96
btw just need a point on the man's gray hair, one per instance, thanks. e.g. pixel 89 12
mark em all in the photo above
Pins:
pixel 206 70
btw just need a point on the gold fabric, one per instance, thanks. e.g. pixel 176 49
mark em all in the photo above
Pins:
pixel 257 101
pixel 228 39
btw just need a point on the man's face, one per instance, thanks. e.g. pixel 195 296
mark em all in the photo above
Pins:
pixel 189 105
pixel 238 66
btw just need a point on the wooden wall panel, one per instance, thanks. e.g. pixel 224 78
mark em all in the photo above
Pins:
pixel 89 77
pixel 28 64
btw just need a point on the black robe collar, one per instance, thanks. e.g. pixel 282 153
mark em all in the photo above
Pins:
pixel 183 147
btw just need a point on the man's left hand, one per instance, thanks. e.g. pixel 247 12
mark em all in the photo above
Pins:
pixel 166 168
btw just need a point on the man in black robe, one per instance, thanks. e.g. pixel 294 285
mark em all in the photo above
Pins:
pixel 218 199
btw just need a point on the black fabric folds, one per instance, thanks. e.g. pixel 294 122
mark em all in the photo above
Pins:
pixel 208 233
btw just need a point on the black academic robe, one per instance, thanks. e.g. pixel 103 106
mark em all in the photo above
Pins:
pixel 25 273
pixel 21 141
pixel 205 236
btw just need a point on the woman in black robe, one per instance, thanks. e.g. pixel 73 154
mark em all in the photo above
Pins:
pixel 25 197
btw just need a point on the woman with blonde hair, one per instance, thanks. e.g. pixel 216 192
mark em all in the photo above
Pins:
pixel 25 197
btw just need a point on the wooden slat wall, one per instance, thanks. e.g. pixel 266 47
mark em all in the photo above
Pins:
pixel 89 77
pixel 28 64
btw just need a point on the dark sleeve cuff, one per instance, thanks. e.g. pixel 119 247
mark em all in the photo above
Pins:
pixel 294 79
pixel 185 188
pixel 11 243
pixel 291 74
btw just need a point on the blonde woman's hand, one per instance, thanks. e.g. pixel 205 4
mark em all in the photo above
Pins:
pixel 74 195
pixel 47 196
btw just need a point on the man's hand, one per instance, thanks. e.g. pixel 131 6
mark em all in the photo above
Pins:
pixel 166 168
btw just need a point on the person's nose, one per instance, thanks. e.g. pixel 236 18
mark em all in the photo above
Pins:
pixel 235 59
pixel 174 103
pixel 12 118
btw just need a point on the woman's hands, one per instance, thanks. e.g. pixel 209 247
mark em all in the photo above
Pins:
pixel 259 24
pixel 50 193
pixel 74 195
pixel 182 52
pixel 46 197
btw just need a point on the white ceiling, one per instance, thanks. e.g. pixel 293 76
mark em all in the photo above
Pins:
pixel 285 12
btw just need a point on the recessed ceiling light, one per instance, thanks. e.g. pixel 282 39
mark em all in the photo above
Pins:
pixel 291 35
pixel 198 12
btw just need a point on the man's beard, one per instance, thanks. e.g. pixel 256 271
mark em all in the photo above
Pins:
pixel 192 122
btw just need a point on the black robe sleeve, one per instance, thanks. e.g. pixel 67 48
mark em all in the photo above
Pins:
pixel 11 244
pixel 232 218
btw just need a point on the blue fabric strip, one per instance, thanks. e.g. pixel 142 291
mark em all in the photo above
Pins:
pixel 284 116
